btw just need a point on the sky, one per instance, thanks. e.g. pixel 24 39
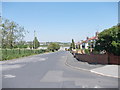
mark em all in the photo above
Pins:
pixel 61 21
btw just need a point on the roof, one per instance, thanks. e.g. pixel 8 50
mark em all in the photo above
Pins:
pixel 92 38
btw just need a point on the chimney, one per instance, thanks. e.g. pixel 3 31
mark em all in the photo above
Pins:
pixel 97 33
pixel 87 38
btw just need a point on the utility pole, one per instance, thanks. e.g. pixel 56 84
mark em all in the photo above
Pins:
pixel 34 39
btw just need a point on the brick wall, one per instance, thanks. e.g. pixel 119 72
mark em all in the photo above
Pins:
pixel 114 59
pixel 98 58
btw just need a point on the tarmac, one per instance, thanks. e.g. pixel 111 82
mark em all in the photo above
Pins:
pixel 105 70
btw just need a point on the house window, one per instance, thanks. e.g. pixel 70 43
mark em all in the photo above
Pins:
pixel 83 45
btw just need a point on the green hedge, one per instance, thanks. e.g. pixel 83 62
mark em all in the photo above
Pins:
pixel 87 51
pixel 16 53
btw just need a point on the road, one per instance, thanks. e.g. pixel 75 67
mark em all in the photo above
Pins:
pixel 50 71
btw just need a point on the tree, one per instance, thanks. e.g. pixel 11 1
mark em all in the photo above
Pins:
pixel 109 40
pixel 11 32
pixel 36 43
pixel 53 47
pixel 73 44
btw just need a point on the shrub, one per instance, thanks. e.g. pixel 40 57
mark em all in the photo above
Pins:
pixel 87 51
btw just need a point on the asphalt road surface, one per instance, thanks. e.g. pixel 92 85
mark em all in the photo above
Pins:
pixel 50 71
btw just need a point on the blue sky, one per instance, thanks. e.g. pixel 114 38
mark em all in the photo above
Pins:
pixel 62 21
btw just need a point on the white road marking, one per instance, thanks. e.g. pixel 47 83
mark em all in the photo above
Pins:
pixel 9 76
pixel 43 59
pixel 40 59
pixel 83 86
pixel 97 86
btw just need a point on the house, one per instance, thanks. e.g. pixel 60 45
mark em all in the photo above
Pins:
pixel 89 43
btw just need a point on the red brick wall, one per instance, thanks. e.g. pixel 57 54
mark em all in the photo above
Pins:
pixel 93 58
pixel 114 59
pixel 99 58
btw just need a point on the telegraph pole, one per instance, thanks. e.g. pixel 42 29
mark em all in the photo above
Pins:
pixel 34 39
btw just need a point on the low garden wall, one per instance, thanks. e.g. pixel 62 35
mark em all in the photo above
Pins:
pixel 113 59
pixel 98 58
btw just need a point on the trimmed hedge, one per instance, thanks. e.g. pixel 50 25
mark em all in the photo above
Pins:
pixel 16 53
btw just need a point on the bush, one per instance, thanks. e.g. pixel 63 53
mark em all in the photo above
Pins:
pixel 53 47
pixel 95 52
pixel 109 40
pixel 87 51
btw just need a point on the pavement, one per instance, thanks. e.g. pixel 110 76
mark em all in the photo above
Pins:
pixel 105 70
pixel 51 71
pixel 108 70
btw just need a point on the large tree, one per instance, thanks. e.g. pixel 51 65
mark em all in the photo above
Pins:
pixel 11 33
pixel 109 40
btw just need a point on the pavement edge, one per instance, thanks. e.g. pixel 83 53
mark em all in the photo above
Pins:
pixel 92 71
